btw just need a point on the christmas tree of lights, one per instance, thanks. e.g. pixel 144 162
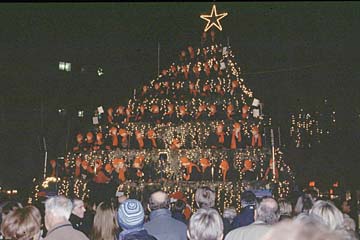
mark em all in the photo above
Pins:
pixel 197 112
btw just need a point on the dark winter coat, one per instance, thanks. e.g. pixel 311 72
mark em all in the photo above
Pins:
pixel 140 235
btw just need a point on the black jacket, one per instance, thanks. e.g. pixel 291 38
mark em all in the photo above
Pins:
pixel 80 224
pixel 140 235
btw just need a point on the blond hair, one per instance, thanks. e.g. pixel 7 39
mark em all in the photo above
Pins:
pixel 105 224
pixel 332 216
pixel 285 207
pixel 22 223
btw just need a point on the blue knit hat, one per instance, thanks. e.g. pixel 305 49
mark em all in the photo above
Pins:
pixel 131 214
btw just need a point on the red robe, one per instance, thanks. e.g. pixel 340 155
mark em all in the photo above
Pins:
pixel 100 177
pixel 140 141
pixel 189 170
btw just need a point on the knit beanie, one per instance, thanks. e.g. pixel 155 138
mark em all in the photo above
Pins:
pixel 131 214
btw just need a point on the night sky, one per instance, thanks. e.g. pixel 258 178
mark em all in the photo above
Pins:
pixel 291 55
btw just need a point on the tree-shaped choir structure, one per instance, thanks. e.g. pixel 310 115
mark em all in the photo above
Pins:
pixel 195 122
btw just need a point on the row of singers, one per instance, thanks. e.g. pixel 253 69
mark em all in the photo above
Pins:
pixel 118 172
pixel 187 90
pixel 176 115
pixel 120 138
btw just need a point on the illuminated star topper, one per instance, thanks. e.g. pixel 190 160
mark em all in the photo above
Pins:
pixel 213 19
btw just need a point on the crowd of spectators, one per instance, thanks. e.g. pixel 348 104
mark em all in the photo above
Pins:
pixel 159 217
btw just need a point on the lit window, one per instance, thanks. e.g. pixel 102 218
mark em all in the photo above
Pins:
pixel 65 66
pixel 80 114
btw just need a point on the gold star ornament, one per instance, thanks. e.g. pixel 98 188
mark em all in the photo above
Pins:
pixel 213 19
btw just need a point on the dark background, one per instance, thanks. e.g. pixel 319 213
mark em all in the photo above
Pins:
pixel 291 55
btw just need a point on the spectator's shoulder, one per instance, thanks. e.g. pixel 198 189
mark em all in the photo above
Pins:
pixel 82 236
pixel 79 235
pixel 178 222
pixel 148 225
pixel 230 235
pixel 234 234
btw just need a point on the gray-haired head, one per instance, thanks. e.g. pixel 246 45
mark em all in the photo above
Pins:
pixel 59 206
pixel 267 211
pixel 205 224
pixel 205 197
pixel 159 200
pixel 57 210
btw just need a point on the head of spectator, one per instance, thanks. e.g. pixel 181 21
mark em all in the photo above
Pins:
pixel 159 200
pixel 332 216
pixel 90 206
pixel 312 220
pixel 294 230
pixel 205 197
pixel 78 208
pixel 9 206
pixel 345 206
pixel 247 212
pixel 248 198
pixel 22 224
pixel 306 219
pixel 178 209
pixel 313 193
pixel 304 203
pixel 105 224
pixel 162 224
pixel 121 197
pixel 267 211
pixel 131 215
pixel 205 224
pixel 179 206
pixel 229 214
pixel 285 209
pixel 57 211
